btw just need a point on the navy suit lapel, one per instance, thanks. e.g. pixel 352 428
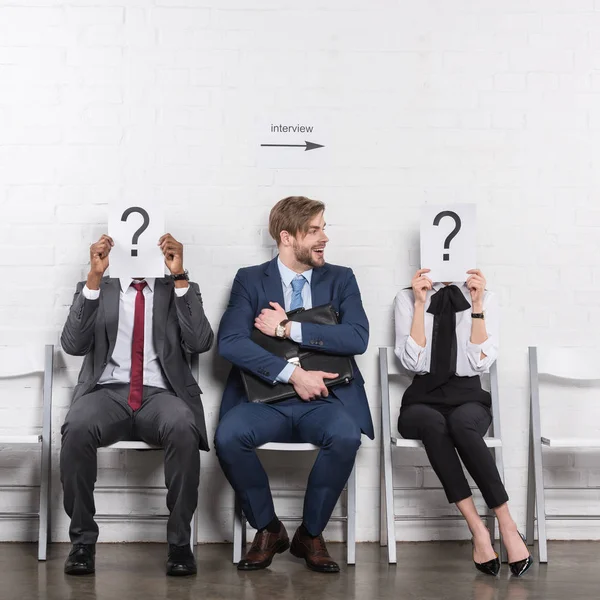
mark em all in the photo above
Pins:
pixel 318 287
pixel 272 284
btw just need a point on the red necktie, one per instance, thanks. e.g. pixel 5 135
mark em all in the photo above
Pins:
pixel 136 383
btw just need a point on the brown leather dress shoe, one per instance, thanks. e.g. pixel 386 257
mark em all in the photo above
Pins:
pixel 314 552
pixel 264 547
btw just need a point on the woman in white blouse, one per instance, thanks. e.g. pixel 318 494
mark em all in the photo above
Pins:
pixel 447 335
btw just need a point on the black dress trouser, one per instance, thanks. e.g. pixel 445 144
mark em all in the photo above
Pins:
pixel 449 431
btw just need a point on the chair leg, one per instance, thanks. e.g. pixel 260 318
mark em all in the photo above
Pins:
pixel 383 541
pixel 44 509
pixel 531 492
pixel 490 521
pixel 194 527
pixel 351 516
pixel 238 534
pixel 540 501
pixel 389 501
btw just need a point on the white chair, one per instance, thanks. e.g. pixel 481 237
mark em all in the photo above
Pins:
pixel 137 445
pixel 559 364
pixel 390 368
pixel 239 520
pixel 19 362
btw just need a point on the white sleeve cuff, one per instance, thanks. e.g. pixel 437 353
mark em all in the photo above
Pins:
pixel 296 332
pixel 413 349
pixel 477 349
pixel 90 294
pixel 181 291
pixel 286 373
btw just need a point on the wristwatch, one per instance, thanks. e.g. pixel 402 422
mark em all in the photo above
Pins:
pixel 280 329
pixel 181 276
pixel 477 316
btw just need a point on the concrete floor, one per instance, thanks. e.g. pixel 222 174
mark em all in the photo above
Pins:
pixel 440 571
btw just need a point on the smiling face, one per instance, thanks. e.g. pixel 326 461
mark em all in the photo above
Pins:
pixel 309 249
pixel 297 225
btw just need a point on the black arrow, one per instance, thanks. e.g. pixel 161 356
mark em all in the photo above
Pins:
pixel 306 146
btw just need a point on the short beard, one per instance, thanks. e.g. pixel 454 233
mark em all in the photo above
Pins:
pixel 304 256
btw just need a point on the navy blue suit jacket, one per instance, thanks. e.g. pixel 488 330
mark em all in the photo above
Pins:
pixel 253 288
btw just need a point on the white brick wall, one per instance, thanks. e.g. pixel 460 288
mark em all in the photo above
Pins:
pixel 481 101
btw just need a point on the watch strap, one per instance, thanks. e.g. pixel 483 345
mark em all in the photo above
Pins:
pixel 181 276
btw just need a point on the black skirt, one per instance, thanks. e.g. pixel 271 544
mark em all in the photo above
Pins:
pixel 455 392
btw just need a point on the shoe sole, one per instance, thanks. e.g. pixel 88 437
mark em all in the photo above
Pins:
pixel 180 573
pixel 79 571
pixel 298 554
pixel 280 548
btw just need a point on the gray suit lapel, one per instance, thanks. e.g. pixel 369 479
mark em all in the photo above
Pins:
pixel 111 291
pixel 163 292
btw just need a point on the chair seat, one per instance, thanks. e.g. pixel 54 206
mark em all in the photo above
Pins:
pixel 571 442
pixel 20 439
pixel 133 446
pixel 402 443
pixel 288 447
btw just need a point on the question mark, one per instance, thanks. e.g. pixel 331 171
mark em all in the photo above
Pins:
pixel 141 228
pixel 453 233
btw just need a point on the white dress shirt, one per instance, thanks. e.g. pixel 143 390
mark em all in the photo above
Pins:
pixel 118 369
pixel 296 328
pixel 417 359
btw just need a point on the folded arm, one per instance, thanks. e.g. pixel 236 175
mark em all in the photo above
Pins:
pixel 351 335
pixel 235 344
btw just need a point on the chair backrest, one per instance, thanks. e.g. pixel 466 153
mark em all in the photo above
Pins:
pixel 19 361
pixel 389 365
pixel 582 364
pixel 563 365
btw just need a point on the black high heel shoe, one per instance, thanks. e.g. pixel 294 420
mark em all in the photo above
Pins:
pixel 490 567
pixel 519 567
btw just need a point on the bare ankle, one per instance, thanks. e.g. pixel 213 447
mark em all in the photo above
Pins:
pixel 508 528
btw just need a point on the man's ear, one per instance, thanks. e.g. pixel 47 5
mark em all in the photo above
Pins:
pixel 285 238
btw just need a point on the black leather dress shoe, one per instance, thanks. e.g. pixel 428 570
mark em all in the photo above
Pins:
pixel 181 561
pixel 81 560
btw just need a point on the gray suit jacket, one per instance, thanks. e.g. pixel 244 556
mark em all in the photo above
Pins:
pixel 180 328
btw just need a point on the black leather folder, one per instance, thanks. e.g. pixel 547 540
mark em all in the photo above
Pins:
pixel 259 390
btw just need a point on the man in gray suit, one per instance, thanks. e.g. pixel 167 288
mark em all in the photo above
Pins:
pixel 135 383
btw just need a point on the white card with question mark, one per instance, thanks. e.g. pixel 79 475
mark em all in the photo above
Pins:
pixel 448 240
pixel 135 227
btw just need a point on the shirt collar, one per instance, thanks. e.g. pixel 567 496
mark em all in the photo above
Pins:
pixel 127 281
pixel 287 274
pixel 438 285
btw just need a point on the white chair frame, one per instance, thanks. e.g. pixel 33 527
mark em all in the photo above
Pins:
pixel 567 364
pixel 28 361
pixel 388 518
pixel 239 520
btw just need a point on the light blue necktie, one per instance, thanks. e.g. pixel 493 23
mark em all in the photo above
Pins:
pixel 297 285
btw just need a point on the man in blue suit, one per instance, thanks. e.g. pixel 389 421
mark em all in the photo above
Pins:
pixel 332 419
